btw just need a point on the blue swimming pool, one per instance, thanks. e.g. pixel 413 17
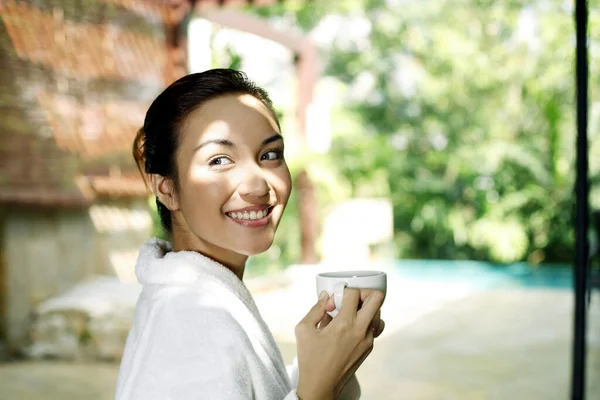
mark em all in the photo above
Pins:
pixel 487 275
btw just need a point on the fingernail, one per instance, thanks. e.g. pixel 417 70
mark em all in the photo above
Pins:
pixel 323 295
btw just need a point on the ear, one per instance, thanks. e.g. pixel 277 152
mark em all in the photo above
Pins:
pixel 164 190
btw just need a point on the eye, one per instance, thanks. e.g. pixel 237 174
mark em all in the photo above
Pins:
pixel 272 155
pixel 221 160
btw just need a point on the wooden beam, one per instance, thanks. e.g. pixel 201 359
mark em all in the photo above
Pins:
pixel 251 24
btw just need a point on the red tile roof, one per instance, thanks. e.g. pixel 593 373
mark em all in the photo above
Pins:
pixel 114 186
pixel 82 51
pixel 92 130
pixel 75 94
pixel 75 81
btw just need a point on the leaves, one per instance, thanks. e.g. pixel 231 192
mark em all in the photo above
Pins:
pixel 462 113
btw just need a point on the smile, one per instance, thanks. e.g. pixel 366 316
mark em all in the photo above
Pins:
pixel 253 215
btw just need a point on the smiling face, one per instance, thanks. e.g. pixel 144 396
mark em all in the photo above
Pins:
pixel 233 181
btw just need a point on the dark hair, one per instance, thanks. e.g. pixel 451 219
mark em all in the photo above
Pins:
pixel 156 144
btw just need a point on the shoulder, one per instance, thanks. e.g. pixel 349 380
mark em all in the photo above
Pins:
pixel 187 344
pixel 194 314
pixel 182 332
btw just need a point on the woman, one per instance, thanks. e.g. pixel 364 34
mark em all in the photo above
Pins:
pixel 212 151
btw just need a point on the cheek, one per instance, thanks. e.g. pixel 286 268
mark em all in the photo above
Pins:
pixel 204 198
pixel 283 184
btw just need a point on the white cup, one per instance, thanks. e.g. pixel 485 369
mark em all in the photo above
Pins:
pixel 334 284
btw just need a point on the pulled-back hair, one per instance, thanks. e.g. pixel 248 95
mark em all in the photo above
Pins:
pixel 156 143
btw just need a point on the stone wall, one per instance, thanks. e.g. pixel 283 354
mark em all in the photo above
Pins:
pixel 48 252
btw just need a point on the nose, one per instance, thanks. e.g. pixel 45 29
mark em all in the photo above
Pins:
pixel 254 183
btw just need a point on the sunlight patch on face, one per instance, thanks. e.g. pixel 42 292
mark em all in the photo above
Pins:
pixel 254 103
pixel 250 101
pixel 218 128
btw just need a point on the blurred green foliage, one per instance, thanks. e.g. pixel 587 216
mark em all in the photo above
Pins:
pixel 468 122
pixel 463 114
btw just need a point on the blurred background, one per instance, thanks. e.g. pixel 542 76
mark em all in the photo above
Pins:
pixel 431 139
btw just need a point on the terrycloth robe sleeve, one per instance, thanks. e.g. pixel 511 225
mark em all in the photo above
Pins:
pixel 191 354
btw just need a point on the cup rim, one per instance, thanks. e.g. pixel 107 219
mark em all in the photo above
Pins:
pixel 349 274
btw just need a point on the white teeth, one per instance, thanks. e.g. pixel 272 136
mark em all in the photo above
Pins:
pixel 252 215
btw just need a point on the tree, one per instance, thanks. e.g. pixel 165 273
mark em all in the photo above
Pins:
pixel 467 121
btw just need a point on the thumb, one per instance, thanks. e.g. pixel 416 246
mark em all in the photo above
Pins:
pixel 317 312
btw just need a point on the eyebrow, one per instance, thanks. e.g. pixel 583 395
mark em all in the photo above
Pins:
pixel 272 139
pixel 229 143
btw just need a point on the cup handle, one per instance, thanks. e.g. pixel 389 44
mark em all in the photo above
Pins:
pixel 338 294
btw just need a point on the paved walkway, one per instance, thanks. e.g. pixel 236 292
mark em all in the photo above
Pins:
pixel 473 345
pixel 494 345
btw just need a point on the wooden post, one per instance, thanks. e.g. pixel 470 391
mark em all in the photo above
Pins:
pixel 309 219
pixel 176 39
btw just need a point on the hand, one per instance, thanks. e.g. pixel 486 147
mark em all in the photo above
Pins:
pixel 378 324
pixel 331 350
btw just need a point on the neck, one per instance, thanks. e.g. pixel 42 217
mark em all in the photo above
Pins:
pixel 235 262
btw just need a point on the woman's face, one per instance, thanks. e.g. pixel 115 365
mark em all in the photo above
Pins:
pixel 233 180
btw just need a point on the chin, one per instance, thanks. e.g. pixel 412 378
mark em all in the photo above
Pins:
pixel 253 249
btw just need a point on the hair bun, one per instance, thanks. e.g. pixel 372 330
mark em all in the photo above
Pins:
pixel 138 151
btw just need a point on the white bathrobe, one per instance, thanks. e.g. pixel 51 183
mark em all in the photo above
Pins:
pixel 197 334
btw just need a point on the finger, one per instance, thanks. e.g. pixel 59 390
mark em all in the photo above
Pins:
pixel 325 321
pixel 367 348
pixel 317 312
pixel 371 305
pixel 380 329
pixel 349 303
pixel 330 304
pixel 375 323
pixel 364 293
pixel 352 370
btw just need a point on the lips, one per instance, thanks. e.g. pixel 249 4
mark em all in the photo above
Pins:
pixel 253 213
